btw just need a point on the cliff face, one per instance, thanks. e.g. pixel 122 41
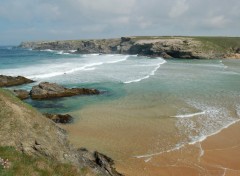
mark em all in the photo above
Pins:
pixel 166 47
pixel 28 131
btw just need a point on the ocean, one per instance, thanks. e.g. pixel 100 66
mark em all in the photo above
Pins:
pixel 148 106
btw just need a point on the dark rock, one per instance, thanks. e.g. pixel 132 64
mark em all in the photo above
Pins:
pixel 7 81
pixel 21 94
pixel 105 162
pixel 125 39
pixel 46 90
pixel 59 118
pixel 99 162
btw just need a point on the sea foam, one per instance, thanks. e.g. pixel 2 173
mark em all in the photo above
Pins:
pixel 152 73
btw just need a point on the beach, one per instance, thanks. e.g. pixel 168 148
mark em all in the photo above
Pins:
pixel 152 116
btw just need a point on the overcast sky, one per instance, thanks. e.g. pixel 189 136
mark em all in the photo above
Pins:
pixel 24 20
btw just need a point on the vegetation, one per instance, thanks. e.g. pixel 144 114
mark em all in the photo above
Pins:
pixel 222 42
pixel 219 43
pixel 22 165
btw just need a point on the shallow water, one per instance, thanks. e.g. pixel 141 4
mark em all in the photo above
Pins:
pixel 149 106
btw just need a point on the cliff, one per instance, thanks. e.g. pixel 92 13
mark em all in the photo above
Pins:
pixel 166 47
pixel 32 134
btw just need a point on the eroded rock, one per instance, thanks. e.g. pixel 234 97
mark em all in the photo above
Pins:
pixel 21 94
pixel 99 161
pixel 46 90
pixel 7 81
pixel 59 118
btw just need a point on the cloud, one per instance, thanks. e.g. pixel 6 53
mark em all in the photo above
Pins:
pixel 217 22
pixel 179 8
pixel 69 19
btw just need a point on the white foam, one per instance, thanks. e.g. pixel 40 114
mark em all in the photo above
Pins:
pixel 62 53
pixel 90 69
pixel 190 115
pixel 72 51
pixel 152 73
pixel 137 80
pixel 202 138
pixel 148 159
pixel 49 50
pixel 116 61
pixel 159 153
pixel 198 139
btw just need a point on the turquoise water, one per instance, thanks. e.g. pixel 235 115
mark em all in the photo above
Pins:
pixel 167 103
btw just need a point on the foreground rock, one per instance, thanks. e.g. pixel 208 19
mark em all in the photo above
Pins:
pixel 7 81
pixel 28 131
pixel 21 94
pixel 97 159
pixel 59 118
pixel 46 90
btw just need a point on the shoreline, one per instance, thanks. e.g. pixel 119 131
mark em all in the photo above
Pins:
pixel 217 155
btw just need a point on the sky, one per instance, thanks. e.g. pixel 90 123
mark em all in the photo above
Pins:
pixel 30 20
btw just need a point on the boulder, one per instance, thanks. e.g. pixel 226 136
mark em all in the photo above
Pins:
pixel 21 94
pixel 59 118
pixel 7 81
pixel 46 90
pixel 99 161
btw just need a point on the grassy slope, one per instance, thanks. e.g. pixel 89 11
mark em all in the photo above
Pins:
pixel 23 164
pixel 209 42
pixel 220 44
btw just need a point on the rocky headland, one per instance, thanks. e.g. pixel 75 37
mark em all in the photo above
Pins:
pixel 166 47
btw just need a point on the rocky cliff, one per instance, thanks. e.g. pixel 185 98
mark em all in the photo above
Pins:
pixel 28 131
pixel 166 47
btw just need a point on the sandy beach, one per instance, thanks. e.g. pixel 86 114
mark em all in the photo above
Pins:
pixel 218 155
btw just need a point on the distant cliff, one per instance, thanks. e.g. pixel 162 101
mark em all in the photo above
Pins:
pixel 166 47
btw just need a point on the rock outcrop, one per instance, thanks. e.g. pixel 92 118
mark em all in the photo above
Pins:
pixel 166 47
pixel 28 131
pixel 46 90
pixel 59 118
pixel 7 81
pixel 97 159
pixel 21 94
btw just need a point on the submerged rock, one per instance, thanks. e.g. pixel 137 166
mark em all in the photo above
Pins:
pixel 59 118
pixel 21 94
pixel 7 81
pixel 46 90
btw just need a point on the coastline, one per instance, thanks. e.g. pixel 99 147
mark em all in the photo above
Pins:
pixel 184 47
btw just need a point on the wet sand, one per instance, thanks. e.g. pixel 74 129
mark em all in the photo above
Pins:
pixel 218 155
pixel 120 139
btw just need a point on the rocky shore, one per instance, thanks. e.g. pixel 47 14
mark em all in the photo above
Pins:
pixel 166 47
pixel 29 132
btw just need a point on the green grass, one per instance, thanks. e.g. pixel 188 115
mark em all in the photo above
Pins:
pixel 22 165
pixel 220 44
pixel 209 42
